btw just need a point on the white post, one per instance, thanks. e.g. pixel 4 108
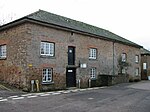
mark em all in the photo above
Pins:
pixel 32 84
pixel 89 83
pixel 79 82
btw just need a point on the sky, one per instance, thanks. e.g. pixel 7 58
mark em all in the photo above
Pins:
pixel 129 19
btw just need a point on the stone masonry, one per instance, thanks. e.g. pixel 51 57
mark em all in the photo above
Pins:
pixel 24 62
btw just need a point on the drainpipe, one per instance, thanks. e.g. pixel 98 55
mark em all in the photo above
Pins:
pixel 113 58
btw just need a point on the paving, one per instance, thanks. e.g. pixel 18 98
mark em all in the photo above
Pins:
pixel 9 95
pixel 6 91
pixel 127 97
pixel 144 85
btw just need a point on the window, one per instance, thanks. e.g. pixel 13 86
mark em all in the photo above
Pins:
pixel 124 57
pixel 93 73
pixel 136 58
pixel 3 51
pixel 47 75
pixel 144 66
pixel 47 49
pixel 137 71
pixel 123 71
pixel 92 53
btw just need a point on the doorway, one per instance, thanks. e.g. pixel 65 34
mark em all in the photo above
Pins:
pixel 71 77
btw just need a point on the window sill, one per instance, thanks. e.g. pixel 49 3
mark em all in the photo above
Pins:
pixel 3 58
pixel 137 75
pixel 92 79
pixel 93 59
pixel 49 57
pixel 47 83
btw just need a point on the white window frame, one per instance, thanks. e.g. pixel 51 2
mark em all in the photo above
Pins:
pixel 3 51
pixel 123 71
pixel 47 49
pixel 93 73
pixel 92 53
pixel 137 59
pixel 123 57
pixel 137 71
pixel 47 75
pixel 144 66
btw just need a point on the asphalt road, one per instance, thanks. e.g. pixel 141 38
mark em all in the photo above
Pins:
pixel 129 97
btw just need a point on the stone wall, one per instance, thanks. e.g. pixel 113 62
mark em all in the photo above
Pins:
pixel 24 62
pixel 13 68
pixel 131 53
pixel 109 80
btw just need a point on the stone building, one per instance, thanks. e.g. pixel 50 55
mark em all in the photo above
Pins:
pixel 145 64
pixel 58 52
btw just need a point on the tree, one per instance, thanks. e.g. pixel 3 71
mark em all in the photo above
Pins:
pixel 6 19
pixel 2 22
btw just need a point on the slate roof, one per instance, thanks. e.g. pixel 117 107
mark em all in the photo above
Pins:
pixel 53 19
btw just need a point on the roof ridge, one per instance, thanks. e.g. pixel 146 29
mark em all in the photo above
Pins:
pixel 66 18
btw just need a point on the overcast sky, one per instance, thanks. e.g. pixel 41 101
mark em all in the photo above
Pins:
pixel 127 18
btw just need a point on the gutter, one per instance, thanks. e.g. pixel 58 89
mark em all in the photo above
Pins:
pixel 13 23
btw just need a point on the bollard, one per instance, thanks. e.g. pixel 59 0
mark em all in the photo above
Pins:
pixel 32 85
pixel 89 83
pixel 37 85
pixel 79 83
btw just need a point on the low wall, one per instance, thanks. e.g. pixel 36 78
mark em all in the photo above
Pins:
pixel 108 80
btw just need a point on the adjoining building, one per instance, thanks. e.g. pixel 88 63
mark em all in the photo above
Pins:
pixel 145 64
pixel 57 52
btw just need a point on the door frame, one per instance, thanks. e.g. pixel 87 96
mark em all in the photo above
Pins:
pixel 71 81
